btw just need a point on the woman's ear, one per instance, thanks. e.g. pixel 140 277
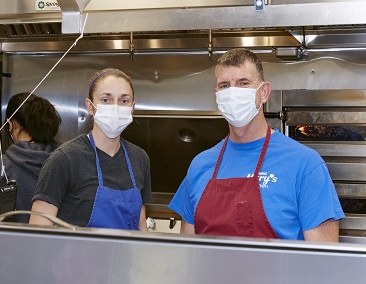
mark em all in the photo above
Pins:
pixel 89 106
pixel 11 126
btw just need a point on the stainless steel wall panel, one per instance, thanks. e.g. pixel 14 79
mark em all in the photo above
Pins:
pixel 162 82
pixel 328 71
pixel 61 88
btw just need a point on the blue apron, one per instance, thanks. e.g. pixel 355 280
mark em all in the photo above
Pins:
pixel 113 208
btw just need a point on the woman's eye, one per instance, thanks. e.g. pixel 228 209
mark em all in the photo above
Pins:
pixel 105 100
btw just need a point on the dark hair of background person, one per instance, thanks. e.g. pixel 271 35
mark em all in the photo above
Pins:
pixel 37 116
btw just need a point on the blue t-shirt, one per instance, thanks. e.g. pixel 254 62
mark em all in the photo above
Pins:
pixel 297 191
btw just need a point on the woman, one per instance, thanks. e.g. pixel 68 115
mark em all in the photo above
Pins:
pixel 32 129
pixel 99 179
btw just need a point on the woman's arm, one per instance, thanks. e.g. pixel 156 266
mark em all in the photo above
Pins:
pixel 42 207
pixel 142 222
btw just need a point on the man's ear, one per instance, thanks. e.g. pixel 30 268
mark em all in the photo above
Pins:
pixel 89 106
pixel 265 91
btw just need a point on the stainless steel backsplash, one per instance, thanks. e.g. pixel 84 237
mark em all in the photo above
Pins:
pixel 176 115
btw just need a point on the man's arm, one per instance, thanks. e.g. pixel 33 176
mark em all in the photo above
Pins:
pixel 186 228
pixel 42 207
pixel 327 231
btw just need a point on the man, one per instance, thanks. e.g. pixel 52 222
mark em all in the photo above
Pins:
pixel 257 182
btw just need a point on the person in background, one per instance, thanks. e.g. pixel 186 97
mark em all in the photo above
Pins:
pixel 257 182
pixel 32 129
pixel 98 179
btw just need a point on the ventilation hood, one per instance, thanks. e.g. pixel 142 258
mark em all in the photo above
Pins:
pixel 285 29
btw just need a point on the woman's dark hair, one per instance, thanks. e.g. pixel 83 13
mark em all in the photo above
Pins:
pixel 37 116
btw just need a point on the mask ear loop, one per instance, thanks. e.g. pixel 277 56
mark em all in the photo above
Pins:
pixel 259 86
pixel 92 104
pixel 10 134
pixel 260 106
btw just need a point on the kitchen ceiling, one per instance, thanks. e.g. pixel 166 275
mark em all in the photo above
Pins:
pixel 287 29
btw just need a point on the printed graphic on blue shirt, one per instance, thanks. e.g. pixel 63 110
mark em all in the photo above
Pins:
pixel 265 179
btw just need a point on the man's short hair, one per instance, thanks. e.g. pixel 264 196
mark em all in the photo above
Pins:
pixel 237 57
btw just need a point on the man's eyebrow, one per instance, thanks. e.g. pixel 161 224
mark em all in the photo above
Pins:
pixel 244 79
pixel 238 80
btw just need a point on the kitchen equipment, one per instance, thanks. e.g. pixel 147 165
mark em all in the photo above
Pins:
pixel 8 194
pixel 334 124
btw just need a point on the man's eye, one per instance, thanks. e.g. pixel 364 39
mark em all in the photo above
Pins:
pixel 223 86
pixel 242 84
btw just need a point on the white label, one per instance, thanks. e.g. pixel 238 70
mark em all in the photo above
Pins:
pixel 43 5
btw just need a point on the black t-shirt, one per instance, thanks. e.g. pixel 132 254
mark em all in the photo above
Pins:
pixel 69 179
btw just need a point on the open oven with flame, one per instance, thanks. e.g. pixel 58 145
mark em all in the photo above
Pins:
pixel 333 122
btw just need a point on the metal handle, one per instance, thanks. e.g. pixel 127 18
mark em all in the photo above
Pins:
pixel 280 115
pixel 51 218
pixel 172 223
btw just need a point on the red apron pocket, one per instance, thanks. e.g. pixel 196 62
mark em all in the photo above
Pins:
pixel 244 218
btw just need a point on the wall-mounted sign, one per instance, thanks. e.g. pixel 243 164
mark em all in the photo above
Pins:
pixel 44 5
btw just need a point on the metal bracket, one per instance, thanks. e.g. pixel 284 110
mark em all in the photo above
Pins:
pixel 71 15
pixel 210 46
pixel 132 47
pixel 259 5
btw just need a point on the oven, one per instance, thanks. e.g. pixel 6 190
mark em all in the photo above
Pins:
pixel 333 122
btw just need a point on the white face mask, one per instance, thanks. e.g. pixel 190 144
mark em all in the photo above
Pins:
pixel 112 119
pixel 237 105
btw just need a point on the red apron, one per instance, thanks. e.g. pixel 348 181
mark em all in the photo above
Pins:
pixel 233 206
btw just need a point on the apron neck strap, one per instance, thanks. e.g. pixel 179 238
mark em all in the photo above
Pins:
pixel 261 157
pixel 100 176
pixel 263 152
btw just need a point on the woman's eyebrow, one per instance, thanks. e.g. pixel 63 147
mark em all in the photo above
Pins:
pixel 105 94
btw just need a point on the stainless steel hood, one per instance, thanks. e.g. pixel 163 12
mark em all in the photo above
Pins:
pixel 286 29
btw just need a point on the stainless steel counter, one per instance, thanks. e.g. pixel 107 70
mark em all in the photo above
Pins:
pixel 46 255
